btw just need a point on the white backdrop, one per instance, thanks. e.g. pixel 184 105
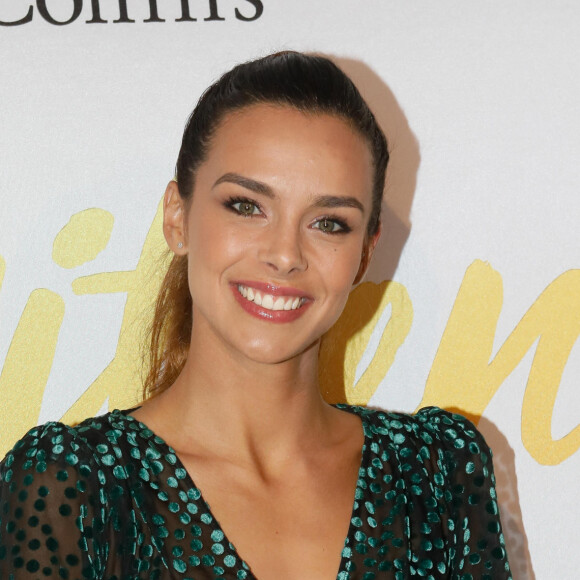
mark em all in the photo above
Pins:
pixel 479 101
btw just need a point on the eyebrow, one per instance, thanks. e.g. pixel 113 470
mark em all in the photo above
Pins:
pixel 328 201
pixel 338 201
pixel 247 183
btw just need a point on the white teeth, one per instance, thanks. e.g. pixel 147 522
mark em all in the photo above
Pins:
pixel 268 301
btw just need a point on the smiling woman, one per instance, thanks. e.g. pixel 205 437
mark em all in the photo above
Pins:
pixel 286 219
pixel 273 216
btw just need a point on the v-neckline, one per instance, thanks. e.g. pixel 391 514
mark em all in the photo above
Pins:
pixel 188 480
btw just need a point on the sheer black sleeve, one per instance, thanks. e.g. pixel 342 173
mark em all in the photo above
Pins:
pixel 52 509
pixel 476 543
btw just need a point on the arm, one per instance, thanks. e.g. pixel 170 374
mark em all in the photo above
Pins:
pixel 477 546
pixel 51 511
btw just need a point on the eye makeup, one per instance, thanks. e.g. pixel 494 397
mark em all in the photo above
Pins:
pixel 332 225
pixel 243 206
pixel 246 207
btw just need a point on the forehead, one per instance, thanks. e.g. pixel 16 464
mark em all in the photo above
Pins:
pixel 280 142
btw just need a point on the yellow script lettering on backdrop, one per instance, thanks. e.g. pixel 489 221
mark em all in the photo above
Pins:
pixel 463 377
pixel 30 355
pixel 31 352
pixel 344 344
pixel 120 380
pixel 28 361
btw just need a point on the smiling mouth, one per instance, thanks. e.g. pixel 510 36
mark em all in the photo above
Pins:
pixel 268 301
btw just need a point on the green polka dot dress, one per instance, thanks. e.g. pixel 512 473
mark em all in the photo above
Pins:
pixel 108 499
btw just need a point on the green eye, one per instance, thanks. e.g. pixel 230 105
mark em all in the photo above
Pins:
pixel 328 226
pixel 246 208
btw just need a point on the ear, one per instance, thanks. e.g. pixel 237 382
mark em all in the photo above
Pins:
pixel 174 219
pixel 367 253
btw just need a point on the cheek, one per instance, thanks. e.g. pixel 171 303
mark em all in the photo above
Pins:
pixel 212 246
pixel 339 269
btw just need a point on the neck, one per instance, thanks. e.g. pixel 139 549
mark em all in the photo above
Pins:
pixel 254 407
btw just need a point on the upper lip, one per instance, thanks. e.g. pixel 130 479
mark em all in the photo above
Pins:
pixel 273 289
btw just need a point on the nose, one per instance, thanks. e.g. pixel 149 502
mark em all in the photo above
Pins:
pixel 283 251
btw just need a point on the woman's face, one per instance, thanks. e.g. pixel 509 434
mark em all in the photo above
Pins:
pixel 275 231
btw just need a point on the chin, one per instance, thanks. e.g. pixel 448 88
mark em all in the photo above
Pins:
pixel 267 353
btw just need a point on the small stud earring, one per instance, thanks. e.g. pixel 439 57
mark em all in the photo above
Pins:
pixel 180 245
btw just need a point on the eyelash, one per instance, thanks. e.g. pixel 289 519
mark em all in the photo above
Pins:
pixel 232 202
pixel 344 227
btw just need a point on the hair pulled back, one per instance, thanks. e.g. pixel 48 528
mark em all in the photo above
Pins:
pixel 309 83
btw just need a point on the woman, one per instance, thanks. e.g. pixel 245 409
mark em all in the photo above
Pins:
pixel 273 217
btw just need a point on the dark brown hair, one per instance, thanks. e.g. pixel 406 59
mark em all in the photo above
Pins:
pixel 309 83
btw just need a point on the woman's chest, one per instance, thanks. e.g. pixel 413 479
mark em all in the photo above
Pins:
pixel 289 526
pixel 387 532
pixel 382 540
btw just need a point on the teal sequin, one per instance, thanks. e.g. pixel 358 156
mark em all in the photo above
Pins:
pixel 109 500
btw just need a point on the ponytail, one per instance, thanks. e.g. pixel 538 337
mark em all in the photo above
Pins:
pixel 170 331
